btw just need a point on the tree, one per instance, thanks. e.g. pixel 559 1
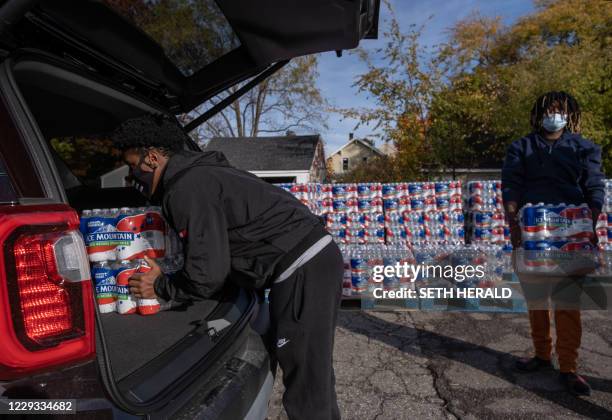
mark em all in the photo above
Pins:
pixel 495 73
pixel 461 103
pixel 289 100
pixel 401 89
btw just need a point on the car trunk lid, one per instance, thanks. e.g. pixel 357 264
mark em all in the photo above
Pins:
pixel 190 51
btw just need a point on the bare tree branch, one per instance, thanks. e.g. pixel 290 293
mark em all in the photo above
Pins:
pixel 286 100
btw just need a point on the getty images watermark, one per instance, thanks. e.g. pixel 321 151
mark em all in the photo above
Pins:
pixel 458 273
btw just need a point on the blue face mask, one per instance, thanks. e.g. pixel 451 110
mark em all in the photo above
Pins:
pixel 554 122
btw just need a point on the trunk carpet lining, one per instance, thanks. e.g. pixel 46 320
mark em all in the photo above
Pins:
pixel 134 340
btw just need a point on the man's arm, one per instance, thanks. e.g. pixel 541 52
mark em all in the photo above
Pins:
pixel 511 210
pixel 592 181
pixel 199 219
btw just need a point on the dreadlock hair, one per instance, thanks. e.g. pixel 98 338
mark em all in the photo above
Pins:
pixel 147 131
pixel 562 101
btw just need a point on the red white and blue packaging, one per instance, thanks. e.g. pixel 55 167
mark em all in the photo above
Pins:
pixel 146 230
pixel 542 221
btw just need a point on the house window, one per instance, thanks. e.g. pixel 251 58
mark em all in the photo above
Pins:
pixel 365 159
pixel 345 164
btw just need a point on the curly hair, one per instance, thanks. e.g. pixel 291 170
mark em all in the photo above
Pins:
pixel 158 131
pixel 562 101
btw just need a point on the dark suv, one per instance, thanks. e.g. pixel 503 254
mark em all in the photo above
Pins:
pixel 71 71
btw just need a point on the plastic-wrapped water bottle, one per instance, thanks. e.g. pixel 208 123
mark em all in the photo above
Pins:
pixel 346 278
pixel 390 258
pixel 375 258
pixel 359 271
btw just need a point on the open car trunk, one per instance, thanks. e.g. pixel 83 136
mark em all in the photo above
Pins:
pixel 83 67
pixel 145 361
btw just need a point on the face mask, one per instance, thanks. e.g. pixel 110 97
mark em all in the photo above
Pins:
pixel 554 122
pixel 143 181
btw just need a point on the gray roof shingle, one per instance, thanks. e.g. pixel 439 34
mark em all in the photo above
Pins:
pixel 267 153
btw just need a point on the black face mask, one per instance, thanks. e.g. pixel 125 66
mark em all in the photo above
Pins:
pixel 143 181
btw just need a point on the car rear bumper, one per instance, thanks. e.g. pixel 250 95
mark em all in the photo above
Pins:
pixel 240 388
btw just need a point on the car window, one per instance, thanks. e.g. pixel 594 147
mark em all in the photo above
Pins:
pixel 92 162
pixel 192 34
pixel 18 177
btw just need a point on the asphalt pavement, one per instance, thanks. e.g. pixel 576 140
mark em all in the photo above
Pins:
pixel 441 365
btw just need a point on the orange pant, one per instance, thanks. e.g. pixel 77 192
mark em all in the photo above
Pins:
pixel 569 333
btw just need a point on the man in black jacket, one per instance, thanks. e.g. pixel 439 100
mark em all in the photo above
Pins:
pixel 236 227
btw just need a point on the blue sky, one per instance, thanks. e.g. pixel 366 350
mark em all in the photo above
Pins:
pixel 338 74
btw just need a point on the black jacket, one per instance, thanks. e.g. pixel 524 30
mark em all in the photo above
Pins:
pixel 232 225
pixel 568 171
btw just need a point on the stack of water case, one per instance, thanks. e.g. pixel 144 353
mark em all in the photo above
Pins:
pixel 432 213
pixel 354 213
pixel 117 242
pixel 603 230
pixel 309 194
pixel 604 222
pixel 486 218
pixel 396 203
pixel 392 213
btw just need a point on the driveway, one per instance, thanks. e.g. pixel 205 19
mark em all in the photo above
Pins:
pixel 416 365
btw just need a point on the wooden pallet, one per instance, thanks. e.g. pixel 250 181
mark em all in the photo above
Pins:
pixel 449 304
pixel 510 305
pixel 367 303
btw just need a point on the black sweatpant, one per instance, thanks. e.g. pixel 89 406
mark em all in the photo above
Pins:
pixel 303 314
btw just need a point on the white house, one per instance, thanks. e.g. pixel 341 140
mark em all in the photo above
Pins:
pixel 352 154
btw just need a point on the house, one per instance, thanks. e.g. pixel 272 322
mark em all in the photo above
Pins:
pixel 353 153
pixel 388 148
pixel 290 158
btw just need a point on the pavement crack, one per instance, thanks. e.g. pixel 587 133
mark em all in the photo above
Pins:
pixel 437 378
pixel 381 407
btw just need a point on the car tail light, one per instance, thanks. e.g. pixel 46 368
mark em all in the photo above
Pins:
pixel 46 298
pixel 43 264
